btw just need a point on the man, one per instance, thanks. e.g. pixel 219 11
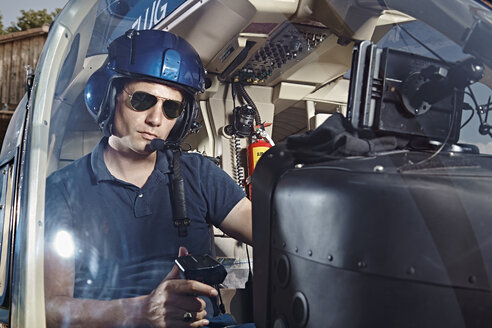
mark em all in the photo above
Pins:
pixel 112 232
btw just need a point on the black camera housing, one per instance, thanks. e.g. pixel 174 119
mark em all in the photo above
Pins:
pixel 399 93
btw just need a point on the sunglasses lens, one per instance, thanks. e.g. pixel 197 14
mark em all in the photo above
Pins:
pixel 142 101
pixel 172 108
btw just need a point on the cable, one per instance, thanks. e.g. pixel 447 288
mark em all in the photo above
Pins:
pixel 469 119
pixel 250 102
pixel 474 99
pixel 487 111
pixel 236 153
pixel 233 94
pixel 438 151
pixel 484 128
pixel 221 305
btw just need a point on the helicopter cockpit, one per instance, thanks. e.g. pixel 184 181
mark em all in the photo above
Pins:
pixel 359 129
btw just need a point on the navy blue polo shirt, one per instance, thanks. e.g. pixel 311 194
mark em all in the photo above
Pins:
pixel 125 240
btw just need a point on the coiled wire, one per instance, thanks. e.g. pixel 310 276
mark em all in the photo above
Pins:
pixel 238 170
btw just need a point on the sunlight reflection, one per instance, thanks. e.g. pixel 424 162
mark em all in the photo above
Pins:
pixel 63 244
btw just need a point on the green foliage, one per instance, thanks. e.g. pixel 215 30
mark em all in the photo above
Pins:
pixel 1 25
pixel 30 19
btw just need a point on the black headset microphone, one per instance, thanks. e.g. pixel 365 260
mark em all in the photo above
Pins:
pixel 158 144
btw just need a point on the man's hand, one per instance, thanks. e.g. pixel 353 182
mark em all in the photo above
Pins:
pixel 172 302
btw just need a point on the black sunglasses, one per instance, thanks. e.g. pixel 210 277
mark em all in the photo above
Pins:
pixel 141 101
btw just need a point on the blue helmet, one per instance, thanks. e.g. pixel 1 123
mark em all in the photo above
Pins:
pixel 153 55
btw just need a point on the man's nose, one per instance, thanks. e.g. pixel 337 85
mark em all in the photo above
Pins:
pixel 154 115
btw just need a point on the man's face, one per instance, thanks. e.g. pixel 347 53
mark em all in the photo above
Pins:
pixel 134 130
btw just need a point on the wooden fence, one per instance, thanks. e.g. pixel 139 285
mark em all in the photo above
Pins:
pixel 16 51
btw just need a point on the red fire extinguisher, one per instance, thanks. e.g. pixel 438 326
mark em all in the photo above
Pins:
pixel 255 150
pixel 260 144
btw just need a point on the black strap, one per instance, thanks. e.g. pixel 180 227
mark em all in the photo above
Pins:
pixel 181 221
pixel 221 304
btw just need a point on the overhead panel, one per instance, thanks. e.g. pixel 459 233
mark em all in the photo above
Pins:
pixel 289 44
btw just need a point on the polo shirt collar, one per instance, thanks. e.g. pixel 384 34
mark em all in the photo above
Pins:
pixel 101 172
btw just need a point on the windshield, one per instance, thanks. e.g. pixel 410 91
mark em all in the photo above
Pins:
pixel 271 70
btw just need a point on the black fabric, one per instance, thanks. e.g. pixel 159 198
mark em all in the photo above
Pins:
pixel 337 138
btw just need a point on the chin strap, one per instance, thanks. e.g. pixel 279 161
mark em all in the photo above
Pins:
pixel 181 221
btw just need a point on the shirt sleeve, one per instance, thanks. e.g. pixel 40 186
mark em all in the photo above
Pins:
pixel 221 192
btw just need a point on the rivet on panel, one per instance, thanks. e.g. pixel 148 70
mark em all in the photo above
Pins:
pixel 378 168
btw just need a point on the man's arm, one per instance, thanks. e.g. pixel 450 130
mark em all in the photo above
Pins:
pixel 238 223
pixel 164 307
